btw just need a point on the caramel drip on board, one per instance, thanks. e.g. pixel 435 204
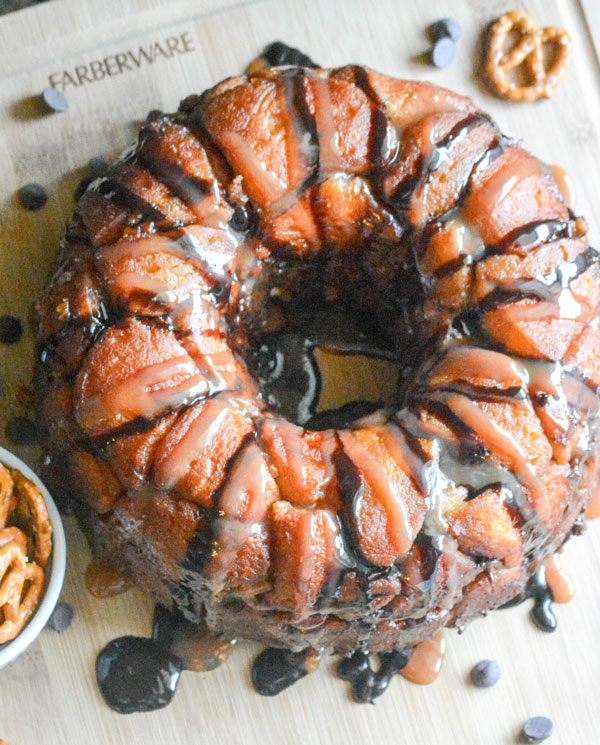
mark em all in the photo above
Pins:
pixel 105 581
pixel 425 662
pixel 593 509
pixel 565 185
pixel 559 583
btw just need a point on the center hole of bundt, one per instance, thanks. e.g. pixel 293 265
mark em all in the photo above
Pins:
pixel 326 369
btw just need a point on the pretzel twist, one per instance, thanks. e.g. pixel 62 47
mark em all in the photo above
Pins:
pixel 528 50
pixel 28 535
pixel 13 534
pixel 12 571
pixel 25 593
pixel 31 510
pixel 8 500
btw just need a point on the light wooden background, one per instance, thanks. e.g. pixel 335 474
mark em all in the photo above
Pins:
pixel 49 696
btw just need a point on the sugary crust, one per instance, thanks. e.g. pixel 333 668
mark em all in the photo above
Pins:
pixel 350 188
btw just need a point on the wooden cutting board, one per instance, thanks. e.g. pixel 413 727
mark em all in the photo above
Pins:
pixel 117 59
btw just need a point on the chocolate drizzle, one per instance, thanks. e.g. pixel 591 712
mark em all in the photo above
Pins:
pixel 438 155
pixel 289 376
pixel 305 129
pixel 379 133
pixel 534 234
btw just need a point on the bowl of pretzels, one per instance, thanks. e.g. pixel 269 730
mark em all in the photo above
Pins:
pixel 32 556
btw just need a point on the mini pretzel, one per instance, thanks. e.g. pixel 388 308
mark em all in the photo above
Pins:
pixel 12 578
pixel 529 50
pixel 7 498
pixel 13 534
pixel 31 512
pixel 15 617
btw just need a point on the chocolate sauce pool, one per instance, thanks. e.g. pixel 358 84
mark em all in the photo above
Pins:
pixel 137 674
pixel 274 670
pixel 368 684
pixel 287 369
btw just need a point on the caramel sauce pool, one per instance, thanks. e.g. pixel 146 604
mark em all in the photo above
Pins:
pixel 559 583
pixel 105 581
pixel 593 508
pixel 426 660
pixel 565 185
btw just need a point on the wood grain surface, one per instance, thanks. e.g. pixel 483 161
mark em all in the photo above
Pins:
pixel 49 696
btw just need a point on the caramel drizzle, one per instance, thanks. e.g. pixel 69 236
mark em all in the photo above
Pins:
pixel 151 391
pixel 478 435
pixel 241 508
pixel 194 442
pixel 398 527
pixel 201 196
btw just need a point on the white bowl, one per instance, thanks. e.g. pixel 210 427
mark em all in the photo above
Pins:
pixel 55 570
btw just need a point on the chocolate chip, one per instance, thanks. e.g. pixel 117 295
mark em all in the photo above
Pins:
pixel 98 165
pixel 443 52
pixel 447 27
pixel 61 618
pixel 154 115
pixel 11 329
pixel 537 729
pixel 240 220
pixel 83 185
pixel 278 53
pixel 485 673
pixel 54 99
pixel 21 431
pixel 32 196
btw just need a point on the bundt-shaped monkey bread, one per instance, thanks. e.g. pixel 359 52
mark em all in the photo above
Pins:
pixel 270 200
